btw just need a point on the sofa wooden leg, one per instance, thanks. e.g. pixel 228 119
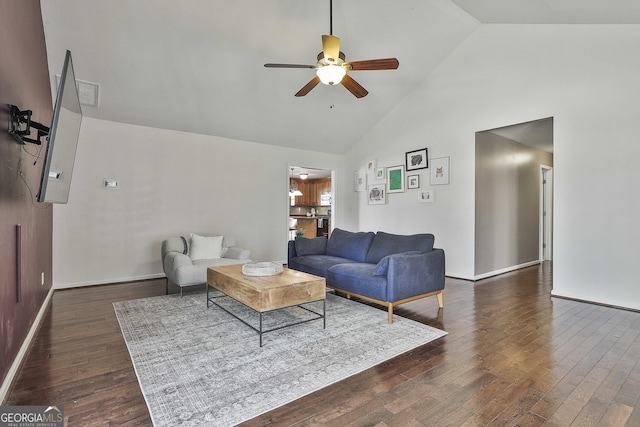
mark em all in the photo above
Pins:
pixel 440 300
pixel 167 287
pixel 390 313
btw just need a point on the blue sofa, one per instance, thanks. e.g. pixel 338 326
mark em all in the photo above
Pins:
pixel 388 269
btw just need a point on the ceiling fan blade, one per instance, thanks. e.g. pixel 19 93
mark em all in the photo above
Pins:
pixel 354 87
pixel 289 66
pixel 374 64
pixel 307 88
pixel 331 47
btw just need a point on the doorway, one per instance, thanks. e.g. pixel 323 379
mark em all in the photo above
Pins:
pixel 511 164
pixel 311 202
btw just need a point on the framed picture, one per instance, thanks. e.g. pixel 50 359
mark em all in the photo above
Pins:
pixel 371 166
pixel 377 194
pixel 413 181
pixel 425 196
pixel 379 173
pixel 395 179
pixel 418 159
pixel 439 171
pixel 359 180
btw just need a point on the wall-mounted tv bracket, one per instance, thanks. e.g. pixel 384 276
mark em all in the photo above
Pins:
pixel 20 125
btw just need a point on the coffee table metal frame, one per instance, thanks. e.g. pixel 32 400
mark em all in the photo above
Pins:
pixel 264 294
pixel 260 330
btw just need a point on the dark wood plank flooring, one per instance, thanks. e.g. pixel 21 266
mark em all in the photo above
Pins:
pixel 513 356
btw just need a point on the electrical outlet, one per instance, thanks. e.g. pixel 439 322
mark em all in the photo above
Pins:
pixel 42 279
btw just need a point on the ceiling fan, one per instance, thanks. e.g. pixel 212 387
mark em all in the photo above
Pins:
pixel 332 68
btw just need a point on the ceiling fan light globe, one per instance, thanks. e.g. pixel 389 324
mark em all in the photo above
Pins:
pixel 331 74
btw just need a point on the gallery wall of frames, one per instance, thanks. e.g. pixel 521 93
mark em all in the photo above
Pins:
pixel 419 174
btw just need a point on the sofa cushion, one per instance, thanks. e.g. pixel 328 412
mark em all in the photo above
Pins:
pixel 205 247
pixel 316 264
pixel 314 246
pixel 385 244
pixel 358 278
pixel 350 245
pixel 383 266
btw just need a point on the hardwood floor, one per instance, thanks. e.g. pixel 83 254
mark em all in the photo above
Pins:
pixel 513 356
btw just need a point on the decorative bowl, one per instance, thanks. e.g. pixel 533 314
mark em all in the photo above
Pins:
pixel 261 269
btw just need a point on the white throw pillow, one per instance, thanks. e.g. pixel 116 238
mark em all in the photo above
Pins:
pixel 205 247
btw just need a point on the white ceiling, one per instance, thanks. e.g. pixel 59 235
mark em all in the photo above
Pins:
pixel 312 173
pixel 197 65
pixel 536 133
pixel 553 11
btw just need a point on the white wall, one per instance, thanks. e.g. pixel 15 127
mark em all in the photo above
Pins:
pixel 587 79
pixel 171 183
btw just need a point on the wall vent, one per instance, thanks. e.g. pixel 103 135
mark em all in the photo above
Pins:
pixel 88 92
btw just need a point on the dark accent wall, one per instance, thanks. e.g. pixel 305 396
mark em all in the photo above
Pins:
pixel 24 81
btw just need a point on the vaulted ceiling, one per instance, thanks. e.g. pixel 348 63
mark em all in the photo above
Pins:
pixel 197 65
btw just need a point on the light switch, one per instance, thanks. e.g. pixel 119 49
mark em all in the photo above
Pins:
pixel 111 184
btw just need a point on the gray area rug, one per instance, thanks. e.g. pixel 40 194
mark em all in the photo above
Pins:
pixel 199 366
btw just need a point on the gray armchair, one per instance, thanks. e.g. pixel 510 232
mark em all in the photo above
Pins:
pixel 185 259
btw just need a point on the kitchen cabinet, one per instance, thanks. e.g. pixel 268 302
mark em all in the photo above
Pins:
pixel 303 186
pixel 312 226
pixel 309 193
pixel 298 183
pixel 311 190
pixel 323 186
pixel 309 226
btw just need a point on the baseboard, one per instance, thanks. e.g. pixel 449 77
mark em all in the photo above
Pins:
pixel 459 276
pixel 506 270
pixel 109 281
pixel 555 294
pixel 17 362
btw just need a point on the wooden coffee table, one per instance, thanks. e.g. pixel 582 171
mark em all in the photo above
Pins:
pixel 267 293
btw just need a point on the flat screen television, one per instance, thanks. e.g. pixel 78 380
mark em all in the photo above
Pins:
pixel 55 181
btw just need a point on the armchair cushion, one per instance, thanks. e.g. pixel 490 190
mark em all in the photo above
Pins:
pixel 205 247
pixel 236 253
